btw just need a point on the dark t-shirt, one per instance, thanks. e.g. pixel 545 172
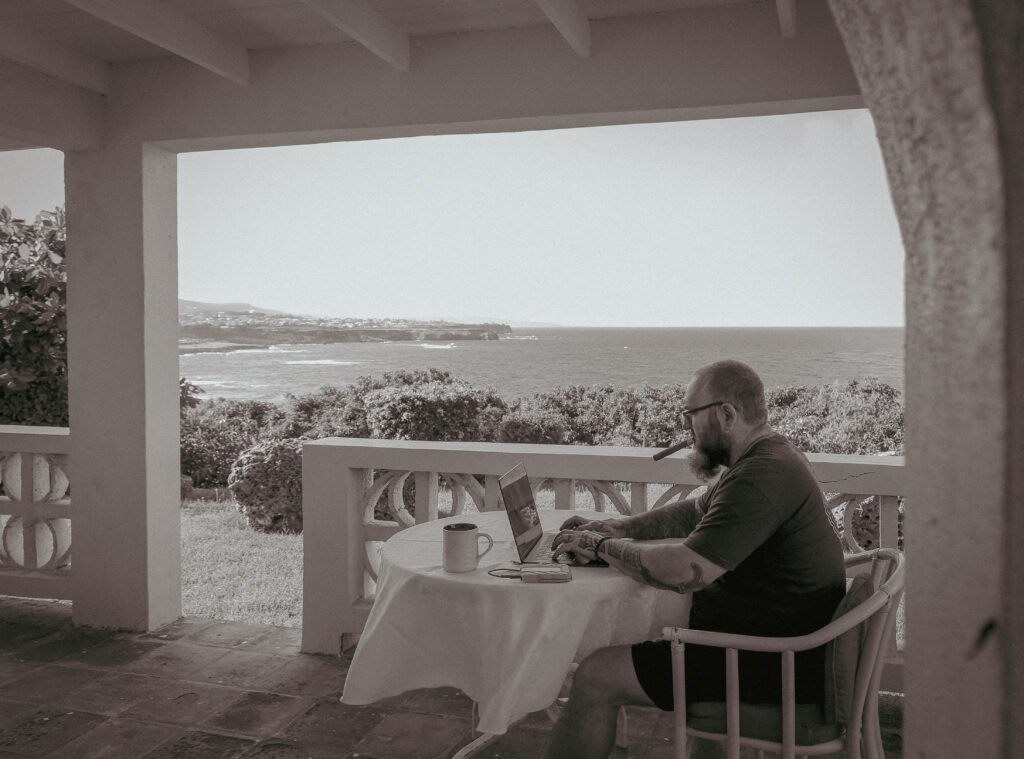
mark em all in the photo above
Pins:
pixel 766 524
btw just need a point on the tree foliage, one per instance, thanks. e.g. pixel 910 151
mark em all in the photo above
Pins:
pixel 33 322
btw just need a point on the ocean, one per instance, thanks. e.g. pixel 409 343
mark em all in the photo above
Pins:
pixel 536 360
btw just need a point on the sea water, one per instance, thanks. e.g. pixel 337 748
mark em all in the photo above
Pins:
pixel 538 360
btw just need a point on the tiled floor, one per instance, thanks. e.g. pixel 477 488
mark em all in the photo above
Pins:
pixel 203 689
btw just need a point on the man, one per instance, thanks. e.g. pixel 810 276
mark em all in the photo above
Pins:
pixel 757 549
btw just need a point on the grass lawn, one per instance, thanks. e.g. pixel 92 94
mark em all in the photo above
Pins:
pixel 233 573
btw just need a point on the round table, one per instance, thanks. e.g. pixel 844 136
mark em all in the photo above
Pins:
pixel 505 643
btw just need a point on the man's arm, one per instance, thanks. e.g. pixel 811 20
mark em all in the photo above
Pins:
pixel 669 565
pixel 676 520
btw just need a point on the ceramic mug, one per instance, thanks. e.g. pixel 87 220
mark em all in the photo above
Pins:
pixel 462 546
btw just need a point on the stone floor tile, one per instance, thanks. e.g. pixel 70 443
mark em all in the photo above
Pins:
pixel 114 653
pixel 282 748
pixel 20 632
pixel 59 645
pixel 307 675
pixel 447 701
pixel 117 739
pixel 47 684
pixel 13 669
pixel 37 731
pixel 330 723
pixel 199 745
pixel 279 641
pixel 229 634
pixel 240 669
pixel 181 629
pixel 515 744
pixel 111 693
pixel 260 715
pixel 177 659
pixel 181 703
pixel 413 736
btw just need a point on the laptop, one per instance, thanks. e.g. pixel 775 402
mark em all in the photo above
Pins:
pixel 532 543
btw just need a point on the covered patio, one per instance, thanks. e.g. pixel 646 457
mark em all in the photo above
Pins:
pixel 123 88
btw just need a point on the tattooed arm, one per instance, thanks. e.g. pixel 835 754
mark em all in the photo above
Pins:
pixel 676 520
pixel 669 565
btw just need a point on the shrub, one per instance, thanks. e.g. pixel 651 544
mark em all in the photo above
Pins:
pixel 609 415
pixel 33 320
pixel 526 424
pixel 214 434
pixel 266 482
pixel 859 417
pixel 333 411
pixel 433 411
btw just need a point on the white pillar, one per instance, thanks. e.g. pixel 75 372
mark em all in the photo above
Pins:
pixel 123 373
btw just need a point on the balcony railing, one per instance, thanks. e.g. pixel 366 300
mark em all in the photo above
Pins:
pixel 35 512
pixel 356 495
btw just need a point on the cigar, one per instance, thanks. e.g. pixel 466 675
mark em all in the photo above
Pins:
pixel 668 451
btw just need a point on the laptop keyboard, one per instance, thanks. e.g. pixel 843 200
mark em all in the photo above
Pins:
pixel 541 552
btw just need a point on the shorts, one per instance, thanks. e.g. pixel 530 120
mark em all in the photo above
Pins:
pixel 760 674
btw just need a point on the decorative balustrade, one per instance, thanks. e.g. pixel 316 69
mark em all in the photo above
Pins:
pixel 357 493
pixel 35 512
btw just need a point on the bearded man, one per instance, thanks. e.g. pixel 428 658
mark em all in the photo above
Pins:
pixel 757 549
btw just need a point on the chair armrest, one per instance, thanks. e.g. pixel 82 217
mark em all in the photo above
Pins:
pixel 819 637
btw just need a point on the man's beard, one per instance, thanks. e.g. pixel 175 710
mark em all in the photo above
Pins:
pixel 712 452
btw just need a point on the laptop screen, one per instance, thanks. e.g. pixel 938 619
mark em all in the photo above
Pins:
pixel 517 495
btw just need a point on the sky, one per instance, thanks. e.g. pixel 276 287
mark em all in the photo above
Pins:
pixel 766 221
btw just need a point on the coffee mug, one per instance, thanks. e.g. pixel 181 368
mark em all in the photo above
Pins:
pixel 462 546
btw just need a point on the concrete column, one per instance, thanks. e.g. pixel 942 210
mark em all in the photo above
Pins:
pixel 942 80
pixel 123 372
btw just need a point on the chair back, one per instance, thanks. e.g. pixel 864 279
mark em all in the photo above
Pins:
pixel 856 707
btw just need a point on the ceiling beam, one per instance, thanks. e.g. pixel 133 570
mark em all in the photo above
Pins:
pixel 172 30
pixel 364 23
pixel 786 10
pixel 43 112
pixel 570 21
pixel 38 52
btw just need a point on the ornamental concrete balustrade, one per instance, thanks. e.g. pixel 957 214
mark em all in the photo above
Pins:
pixel 35 512
pixel 355 491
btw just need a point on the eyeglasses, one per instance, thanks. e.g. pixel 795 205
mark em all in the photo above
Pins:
pixel 688 412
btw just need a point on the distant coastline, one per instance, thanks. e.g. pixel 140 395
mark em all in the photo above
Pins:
pixel 213 327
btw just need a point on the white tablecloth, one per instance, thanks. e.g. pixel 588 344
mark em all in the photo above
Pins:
pixel 505 643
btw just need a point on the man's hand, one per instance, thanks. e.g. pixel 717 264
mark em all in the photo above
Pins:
pixel 579 544
pixel 610 527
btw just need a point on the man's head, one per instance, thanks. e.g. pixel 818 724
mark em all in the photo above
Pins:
pixel 725 406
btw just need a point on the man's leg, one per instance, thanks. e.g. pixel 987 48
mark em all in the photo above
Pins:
pixel 604 681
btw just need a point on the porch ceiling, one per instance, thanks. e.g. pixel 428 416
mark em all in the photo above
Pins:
pixel 74 40
pixel 61 55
